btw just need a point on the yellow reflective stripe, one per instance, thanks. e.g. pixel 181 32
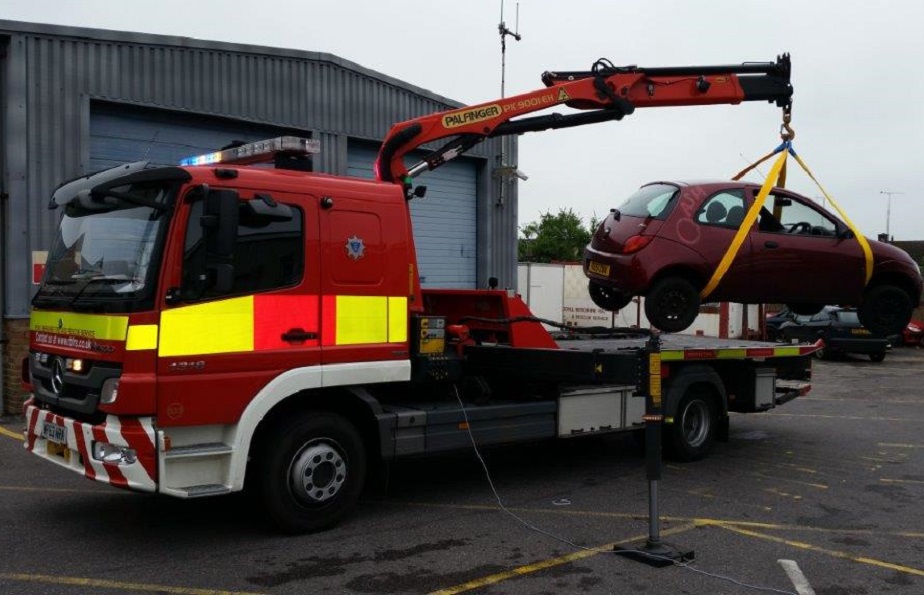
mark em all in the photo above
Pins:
pixel 397 319
pixel 96 326
pixel 362 319
pixel 745 228
pixel 141 336
pixel 731 353
pixel 781 351
pixel 667 356
pixel 864 245
pixel 225 326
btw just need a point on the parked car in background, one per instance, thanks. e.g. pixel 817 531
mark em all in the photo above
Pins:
pixel 841 331
pixel 667 239
pixel 774 320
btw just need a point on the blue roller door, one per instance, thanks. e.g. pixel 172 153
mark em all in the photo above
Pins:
pixel 445 223
pixel 121 134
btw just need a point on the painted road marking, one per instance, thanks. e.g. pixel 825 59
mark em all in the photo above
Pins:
pixel 798 579
pixel 550 563
pixel 899 445
pixel 819 486
pixel 106 584
pixel 10 434
pixel 821 550
pixel 700 521
pixel 856 417
pixel 913 481
pixel 71 490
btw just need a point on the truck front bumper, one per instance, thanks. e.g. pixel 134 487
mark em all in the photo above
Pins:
pixel 120 451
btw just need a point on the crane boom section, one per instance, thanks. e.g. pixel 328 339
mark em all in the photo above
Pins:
pixel 604 93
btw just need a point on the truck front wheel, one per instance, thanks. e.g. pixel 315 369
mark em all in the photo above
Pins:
pixel 311 471
pixel 692 434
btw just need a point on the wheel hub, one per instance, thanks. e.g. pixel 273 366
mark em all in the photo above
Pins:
pixel 318 473
pixel 695 423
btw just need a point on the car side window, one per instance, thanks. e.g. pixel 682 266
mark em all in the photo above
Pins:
pixel 725 209
pixel 792 216
pixel 267 254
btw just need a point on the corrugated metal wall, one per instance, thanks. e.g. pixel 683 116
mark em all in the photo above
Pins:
pixel 53 74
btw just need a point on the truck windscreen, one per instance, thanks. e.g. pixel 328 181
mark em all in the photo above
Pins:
pixel 105 256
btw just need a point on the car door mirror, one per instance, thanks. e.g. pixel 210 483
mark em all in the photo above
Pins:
pixel 846 234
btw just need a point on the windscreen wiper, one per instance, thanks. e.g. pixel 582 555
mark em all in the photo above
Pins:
pixel 107 279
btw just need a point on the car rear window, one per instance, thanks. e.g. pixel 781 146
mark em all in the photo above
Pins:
pixel 848 317
pixel 654 200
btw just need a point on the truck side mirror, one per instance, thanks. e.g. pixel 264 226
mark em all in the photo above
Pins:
pixel 219 226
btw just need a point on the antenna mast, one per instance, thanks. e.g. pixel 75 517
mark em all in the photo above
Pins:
pixel 504 171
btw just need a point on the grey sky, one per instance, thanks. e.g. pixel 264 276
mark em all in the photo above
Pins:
pixel 859 91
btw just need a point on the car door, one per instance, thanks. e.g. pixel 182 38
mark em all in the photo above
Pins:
pixel 803 255
pixel 716 222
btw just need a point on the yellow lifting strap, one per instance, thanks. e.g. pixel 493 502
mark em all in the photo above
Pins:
pixel 777 176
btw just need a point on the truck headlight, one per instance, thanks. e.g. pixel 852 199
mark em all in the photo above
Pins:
pixel 111 453
pixel 110 391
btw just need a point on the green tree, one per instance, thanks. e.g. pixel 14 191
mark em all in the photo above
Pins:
pixel 562 236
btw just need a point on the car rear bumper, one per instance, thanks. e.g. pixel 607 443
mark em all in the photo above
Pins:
pixel 621 271
pixel 857 345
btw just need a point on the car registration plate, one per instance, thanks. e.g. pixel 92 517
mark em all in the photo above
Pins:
pixel 859 331
pixel 54 432
pixel 598 268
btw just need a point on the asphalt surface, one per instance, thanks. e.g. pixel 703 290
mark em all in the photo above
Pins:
pixel 833 482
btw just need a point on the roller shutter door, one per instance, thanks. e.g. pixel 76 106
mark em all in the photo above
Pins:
pixel 122 134
pixel 445 223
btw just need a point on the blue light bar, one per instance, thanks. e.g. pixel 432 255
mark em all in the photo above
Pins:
pixel 263 150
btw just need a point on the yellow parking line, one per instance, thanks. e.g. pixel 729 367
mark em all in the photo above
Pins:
pixel 72 490
pixel 821 550
pixel 700 521
pixel 106 584
pixel 11 434
pixel 542 565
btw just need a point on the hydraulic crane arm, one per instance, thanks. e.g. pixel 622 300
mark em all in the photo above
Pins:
pixel 605 92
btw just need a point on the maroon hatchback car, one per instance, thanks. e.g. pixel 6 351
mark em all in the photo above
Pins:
pixel 666 240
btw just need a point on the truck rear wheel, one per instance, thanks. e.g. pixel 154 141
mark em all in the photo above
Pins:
pixel 312 470
pixel 692 434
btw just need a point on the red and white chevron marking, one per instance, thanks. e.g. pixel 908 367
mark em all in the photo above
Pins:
pixel 136 433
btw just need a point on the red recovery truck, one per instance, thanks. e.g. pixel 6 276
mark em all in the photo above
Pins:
pixel 216 325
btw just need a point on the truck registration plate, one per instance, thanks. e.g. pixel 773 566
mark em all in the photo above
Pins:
pixel 54 432
pixel 598 268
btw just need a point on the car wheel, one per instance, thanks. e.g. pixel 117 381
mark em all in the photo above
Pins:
pixel 692 434
pixel 821 353
pixel 608 298
pixel 877 357
pixel 886 310
pixel 672 304
pixel 805 309
pixel 312 473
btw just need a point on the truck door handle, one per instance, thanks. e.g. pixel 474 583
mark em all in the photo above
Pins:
pixel 298 335
pixel 771 245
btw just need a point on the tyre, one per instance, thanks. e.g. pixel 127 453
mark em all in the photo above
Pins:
pixel 805 309
pixel 886 310
pixel 672 304
pixel 608 298
pixel 692 434
pixel 311 472
pixel 877 358
pixel 821 353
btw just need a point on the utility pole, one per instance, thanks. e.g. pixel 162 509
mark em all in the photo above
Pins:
pixel 889 210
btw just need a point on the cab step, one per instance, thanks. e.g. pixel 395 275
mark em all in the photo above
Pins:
pixel 211 489
pixel 212 449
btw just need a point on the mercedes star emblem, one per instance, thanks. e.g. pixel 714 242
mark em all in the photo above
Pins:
pixel 57 376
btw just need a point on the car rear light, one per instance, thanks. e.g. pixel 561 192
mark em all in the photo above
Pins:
pixel 636 243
